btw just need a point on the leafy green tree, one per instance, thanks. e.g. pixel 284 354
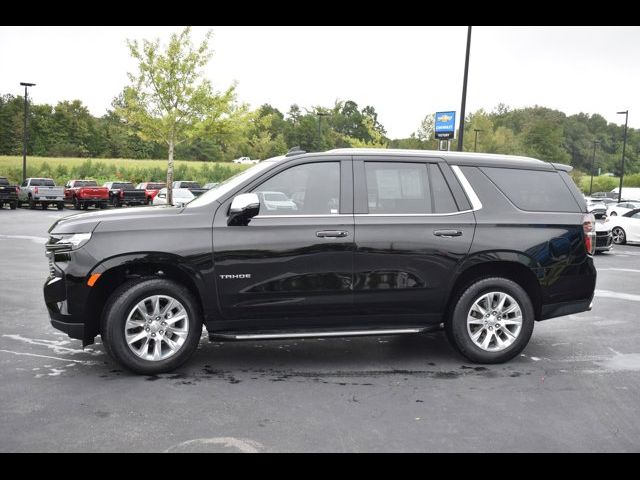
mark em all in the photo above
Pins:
pixel 169 100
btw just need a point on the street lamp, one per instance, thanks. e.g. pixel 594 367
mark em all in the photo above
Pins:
pixel 624 146
pixel 593 162
pixel 475 142
pixel 464 91
pixel 24 130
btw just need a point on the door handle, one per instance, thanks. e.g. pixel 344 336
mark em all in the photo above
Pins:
pixel 332 234
pixel 447 233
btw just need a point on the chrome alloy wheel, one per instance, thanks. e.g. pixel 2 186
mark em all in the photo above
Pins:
pixel 156 328
pixel 618 236
pixel 494 321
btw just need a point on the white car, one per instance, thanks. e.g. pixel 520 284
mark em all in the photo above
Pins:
pixel 622 208
pixel 625 228
pixel 596 206
pixel 245 161
pixel 181 196
pixel 276 201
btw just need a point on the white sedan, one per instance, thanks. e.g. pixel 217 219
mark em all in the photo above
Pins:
pixel 181 196
pixel 625 228
pixel 622 208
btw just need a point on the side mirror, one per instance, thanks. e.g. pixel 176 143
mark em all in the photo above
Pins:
pixel 243 208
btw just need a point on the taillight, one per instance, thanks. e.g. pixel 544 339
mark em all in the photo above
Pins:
pixel 589 229
pixel 35 190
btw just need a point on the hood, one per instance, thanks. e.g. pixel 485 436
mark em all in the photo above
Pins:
pixel 114 220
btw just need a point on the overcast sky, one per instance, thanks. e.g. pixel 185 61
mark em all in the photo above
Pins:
pixel 404 72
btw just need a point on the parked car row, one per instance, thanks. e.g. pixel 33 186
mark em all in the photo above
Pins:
pixel 82 194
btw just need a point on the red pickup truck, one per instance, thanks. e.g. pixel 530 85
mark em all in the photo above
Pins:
pixel 83 193
pixel 151 189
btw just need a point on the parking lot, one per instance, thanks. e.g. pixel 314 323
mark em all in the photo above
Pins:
pixel 575 388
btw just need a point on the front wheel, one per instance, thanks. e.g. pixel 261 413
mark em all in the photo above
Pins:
pixel 60 206
pixel 13 205
pixel 44 205
pixel 492 321
pixel 151 325
pixel 619 236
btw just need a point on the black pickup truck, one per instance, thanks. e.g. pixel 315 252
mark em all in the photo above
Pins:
pixel 124 193
pixel 8 194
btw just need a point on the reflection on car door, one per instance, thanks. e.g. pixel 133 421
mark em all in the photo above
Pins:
pixel 295 259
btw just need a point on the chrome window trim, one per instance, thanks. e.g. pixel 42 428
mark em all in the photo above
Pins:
pixel 476 204
pixel 320 215
pixel 411 214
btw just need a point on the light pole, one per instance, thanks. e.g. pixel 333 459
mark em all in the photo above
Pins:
pixel 464 91
pixel 24 129
pixel 320 115
pixel 475 142
pixel 593 163
pixel 624 146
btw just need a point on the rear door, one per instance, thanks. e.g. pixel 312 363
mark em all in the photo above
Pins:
pixel 293 264
pixel 413 225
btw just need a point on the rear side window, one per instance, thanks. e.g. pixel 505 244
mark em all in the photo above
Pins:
pixel 533 190
pixel 396 187
pixel 443 201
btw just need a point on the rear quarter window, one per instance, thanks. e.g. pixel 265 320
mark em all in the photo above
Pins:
pixel 534 190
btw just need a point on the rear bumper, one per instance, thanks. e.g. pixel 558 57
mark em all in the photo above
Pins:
pixel 553 310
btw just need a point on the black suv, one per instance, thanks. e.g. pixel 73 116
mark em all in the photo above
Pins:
pixel 345 242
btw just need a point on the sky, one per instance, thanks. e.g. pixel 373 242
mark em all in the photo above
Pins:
pixel 406 73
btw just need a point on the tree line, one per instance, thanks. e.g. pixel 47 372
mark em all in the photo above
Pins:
pixel 69 130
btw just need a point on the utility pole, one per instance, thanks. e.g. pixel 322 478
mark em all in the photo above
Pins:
pixel 24 129
pixel 593 162
pixel 464 91
pixel 475 142
pixel 624 146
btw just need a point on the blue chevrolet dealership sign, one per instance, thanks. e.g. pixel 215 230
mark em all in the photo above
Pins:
pixel 445 126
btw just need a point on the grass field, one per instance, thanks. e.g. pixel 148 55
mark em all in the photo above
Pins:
pixel 106 169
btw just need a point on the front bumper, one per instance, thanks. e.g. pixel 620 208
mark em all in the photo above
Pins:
pixel 57 302
pixel 604 241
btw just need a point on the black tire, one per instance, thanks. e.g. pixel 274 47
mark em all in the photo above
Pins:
pixel 13 205
pixel 32 204
pixel 44 205
pixel 76 203
pixel 19 204
pixel 85 206
pixel 60 206
pixel 102 206
pixel 456 325
pixel 619 235
pixel 116 202
pixel 115 315
pixel 614 214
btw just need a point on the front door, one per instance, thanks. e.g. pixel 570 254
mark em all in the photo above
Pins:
pixel 293 262
pixel 411 231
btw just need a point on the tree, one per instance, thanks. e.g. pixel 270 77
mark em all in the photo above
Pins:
pixel 169 100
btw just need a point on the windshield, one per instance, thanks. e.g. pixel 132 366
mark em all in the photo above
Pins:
pixel 229 184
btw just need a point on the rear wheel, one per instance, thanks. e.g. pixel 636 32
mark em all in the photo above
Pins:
pixel 619 236
pixel 13 205
pixel 76 203
pixel 44 205
pixel 60 205
pixel 151 325
pixel 32 204
pixel 492 321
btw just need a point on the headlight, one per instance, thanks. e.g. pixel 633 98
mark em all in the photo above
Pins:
pixel 67 241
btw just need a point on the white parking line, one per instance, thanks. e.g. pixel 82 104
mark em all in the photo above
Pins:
pixel 38 240
pixel 617 295
pixel 630 270
pixel 83 362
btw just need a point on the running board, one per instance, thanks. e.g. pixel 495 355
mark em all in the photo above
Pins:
pixel 311 334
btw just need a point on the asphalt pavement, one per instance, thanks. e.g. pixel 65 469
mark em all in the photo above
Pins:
pixel 576 387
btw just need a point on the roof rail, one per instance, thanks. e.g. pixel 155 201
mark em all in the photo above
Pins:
pixel 295 151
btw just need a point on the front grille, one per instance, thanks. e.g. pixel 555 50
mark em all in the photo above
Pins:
pixel 603 239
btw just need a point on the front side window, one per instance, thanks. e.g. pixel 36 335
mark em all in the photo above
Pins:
pixel 397 188
pixel 309 189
